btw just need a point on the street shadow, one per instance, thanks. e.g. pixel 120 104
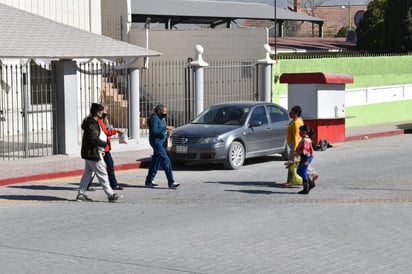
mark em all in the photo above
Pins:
pixel 43 187
pixel 265 192
pixel 406 127
pixel 256 184
pixel 32 198
pixel 219 166
pixel 253 183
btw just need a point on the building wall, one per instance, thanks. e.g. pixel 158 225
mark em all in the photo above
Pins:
pixel 115 19
pixel 83 14
pixel 217 43
pixel 335 17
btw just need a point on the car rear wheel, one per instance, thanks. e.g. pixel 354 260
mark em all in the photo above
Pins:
pixel 236 156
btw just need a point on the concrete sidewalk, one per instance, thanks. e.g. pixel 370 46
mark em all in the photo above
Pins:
pixel 134 156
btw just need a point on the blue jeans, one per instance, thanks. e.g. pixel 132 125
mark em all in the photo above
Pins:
pixel 159 158
pixel 110 169
pixel 303 169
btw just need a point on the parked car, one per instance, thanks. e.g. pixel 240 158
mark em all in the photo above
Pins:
pixel 230 132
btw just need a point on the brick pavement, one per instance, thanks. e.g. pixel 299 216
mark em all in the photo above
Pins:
pixel 221 224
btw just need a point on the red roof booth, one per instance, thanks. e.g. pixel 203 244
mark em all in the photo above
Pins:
pixel 322 99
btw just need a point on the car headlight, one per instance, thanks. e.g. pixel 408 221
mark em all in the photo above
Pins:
pixel 209 140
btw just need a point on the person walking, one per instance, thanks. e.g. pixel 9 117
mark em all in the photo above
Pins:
pixel 293 138
pixel 158 132
pixel 304 150
pixel 94 141
pixel 108 159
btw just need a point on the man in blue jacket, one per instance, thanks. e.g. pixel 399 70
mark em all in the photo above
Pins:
pixel 157 137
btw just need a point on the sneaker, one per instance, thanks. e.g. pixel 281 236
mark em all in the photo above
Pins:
pixel 113 198
pixel 91 189
pixel 83 198
pixel 150 184
pixel 174 185
pixel 117 188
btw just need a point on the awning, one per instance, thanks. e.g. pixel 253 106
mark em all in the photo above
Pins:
pixel 209 12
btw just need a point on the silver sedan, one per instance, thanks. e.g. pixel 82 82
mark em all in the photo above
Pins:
pixel 230 132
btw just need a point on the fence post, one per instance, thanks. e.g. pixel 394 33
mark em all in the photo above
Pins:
pixel 266 65
pixel 134 114
pixel 66 122
pixel 198 66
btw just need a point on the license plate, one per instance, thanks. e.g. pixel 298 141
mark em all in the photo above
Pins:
pixel 181 149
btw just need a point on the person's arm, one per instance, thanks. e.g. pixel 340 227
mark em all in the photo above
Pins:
pixel 94 132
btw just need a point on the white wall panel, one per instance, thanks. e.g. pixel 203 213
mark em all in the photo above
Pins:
pixel 83 14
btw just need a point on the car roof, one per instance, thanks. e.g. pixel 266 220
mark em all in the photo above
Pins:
pixel 242 103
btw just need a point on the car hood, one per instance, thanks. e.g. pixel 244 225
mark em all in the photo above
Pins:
pixel 202 130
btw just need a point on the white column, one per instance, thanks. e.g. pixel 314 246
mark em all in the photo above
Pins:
pixel 134 107
pixel 66 121
pixel 198 65
pixel 267 74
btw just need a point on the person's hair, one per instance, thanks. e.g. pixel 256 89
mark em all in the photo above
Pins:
pixel 159 108
pixel 306 129
pixel 297 110
pixel 95 108
pixel 156 111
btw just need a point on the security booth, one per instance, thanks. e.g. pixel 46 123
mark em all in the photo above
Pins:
pixel 322 99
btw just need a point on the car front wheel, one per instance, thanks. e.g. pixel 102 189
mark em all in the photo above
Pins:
pixel 236 156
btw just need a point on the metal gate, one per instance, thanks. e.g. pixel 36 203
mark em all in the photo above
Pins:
pixel 26 110
pixel 171 83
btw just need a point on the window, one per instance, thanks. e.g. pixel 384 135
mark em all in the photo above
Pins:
pixel 259 116
pixel 40 84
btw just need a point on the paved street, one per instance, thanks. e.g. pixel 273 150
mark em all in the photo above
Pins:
pixel 357 219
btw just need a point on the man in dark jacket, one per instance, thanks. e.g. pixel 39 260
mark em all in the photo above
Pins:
pixel 93 144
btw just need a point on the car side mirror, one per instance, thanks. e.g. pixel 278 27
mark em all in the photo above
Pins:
pixel 255 123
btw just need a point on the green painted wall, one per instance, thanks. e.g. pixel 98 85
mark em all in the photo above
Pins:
pixel 375 114
pixel 366 71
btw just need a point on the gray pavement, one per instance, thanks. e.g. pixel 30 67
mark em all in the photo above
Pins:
pixel 354 221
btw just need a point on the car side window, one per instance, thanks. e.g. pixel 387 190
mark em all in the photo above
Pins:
pixel 276 114
pixel 259 115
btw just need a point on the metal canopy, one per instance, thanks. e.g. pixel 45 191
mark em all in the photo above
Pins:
pixel 213 13
pixel 26 35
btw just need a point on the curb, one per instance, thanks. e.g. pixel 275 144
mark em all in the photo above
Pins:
pixel 61 174
pixel 374 135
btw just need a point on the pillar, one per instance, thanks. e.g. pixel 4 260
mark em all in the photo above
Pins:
pixel 266 65
pixel 198 67
pixel 134 115
pixel 66 121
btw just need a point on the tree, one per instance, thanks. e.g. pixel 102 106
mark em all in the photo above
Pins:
pixel 386 27
pixel 398 24
pixel 371 30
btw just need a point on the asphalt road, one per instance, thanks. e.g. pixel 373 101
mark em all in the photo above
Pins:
pixel 357 220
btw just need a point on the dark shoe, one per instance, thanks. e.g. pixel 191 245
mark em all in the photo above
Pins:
pixel 153 185
pixel 305 189
pixel 311 184
pixel 91 189
pixel 117 188
pixel 83 198
pixel 174 185
pixel 113 198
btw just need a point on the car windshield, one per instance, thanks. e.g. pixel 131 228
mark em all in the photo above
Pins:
pixel 223 115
